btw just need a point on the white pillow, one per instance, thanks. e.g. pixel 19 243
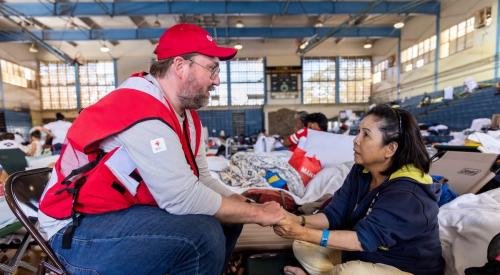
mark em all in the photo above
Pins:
pixel 330 149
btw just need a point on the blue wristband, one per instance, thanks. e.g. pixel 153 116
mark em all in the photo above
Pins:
pixel 324 238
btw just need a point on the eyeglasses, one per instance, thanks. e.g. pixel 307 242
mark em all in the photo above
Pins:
pixel 214 71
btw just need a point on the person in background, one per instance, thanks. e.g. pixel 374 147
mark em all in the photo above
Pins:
pixel 314 121
pixel 35 147
pixel 57 130
pixel 146 202
pixel 300 120
pixel 7 141
pixel 384 217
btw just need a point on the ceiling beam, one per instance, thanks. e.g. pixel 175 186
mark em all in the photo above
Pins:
pixel 217 7
pixel 154 33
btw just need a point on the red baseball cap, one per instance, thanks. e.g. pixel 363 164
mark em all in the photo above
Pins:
pixel 183 39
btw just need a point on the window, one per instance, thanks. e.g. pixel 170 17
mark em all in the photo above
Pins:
pixel 319 80
pixel 97 79
pixel 57 86
pixel 218 97
pixel 457 38
pixel 419 54
pixel 18 75
pixel 379 71
pixel 247 82
pixel 355 79
pixel 58 89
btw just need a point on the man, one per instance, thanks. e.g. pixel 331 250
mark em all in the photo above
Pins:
pixel 315 121
pixel 151 205
pixel 300 120
pixel 57 130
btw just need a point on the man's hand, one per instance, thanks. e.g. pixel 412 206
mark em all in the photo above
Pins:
pixel 269 213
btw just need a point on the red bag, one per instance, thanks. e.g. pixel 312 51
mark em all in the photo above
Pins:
pixel 307 167
pixel 265 195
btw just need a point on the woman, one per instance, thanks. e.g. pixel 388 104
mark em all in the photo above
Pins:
pixel 384 217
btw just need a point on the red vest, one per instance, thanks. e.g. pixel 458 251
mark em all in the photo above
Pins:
pixel 93 188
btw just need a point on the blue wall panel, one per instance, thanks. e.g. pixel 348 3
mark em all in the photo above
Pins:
pixel 253 121
pixel 217 120
pixel 18 121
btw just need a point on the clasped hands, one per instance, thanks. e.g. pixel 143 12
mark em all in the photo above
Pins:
pixel 285 224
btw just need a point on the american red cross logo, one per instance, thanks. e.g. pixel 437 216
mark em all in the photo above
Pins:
pixel 158 145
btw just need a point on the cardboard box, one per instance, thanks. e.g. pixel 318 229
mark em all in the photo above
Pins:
pixel 467 172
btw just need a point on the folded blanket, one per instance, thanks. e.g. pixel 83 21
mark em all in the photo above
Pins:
pixel 248 170
pixel 466 226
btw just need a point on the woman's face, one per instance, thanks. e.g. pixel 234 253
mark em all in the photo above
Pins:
pixel 368 144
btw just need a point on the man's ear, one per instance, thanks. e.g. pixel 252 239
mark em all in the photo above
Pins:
pixel 390 149
pixel 178 67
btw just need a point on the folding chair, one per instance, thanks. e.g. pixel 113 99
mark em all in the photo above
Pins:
pixel 13 160
pixel 22 192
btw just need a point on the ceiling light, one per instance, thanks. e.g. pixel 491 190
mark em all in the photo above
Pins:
pixel 239 24
pixel 104 48
pixel 157 23
pixel 33 48
pixel 304 45
pixel 238 46
pixel 367 45
pixel 399 25
pixel 318 24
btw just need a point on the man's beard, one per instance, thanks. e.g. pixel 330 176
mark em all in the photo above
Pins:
pixel 194 97
pixel 193 102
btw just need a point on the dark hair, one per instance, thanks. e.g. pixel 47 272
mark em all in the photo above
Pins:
pixel 319 118
pixel 59 116
pixel 36 134
pixel 8 136
pixel 302 115
pixel 400 126
pixel 160 67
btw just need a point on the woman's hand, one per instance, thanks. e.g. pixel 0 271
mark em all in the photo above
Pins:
pixel 289 228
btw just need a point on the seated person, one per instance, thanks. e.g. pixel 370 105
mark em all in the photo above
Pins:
pixel 315 121
pixel 35 148
pixel 384 217
pixel 426 100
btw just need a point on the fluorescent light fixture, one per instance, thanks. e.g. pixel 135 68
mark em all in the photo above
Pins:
pixel 399 25
pixel 368 45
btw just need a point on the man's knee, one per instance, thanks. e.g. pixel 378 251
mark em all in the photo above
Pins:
pixel 211 236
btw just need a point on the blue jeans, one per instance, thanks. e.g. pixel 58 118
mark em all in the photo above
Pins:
pixel 146 240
